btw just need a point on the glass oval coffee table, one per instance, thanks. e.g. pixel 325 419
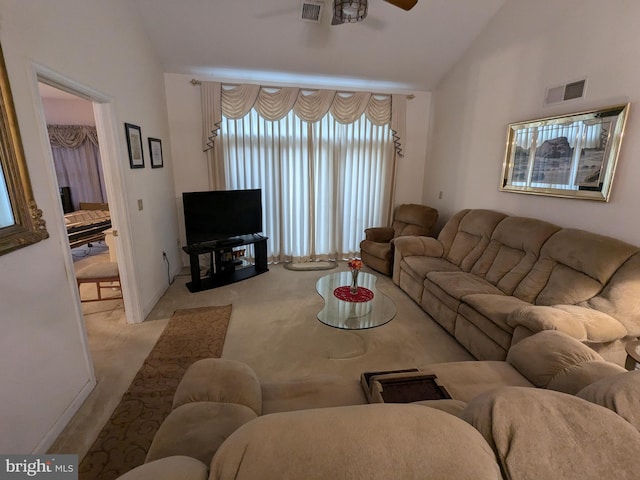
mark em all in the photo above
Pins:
pixel 357 313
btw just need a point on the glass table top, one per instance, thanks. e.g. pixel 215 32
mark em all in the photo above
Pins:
pixel 353 315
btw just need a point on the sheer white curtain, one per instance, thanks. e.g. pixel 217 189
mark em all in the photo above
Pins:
pixel 323 180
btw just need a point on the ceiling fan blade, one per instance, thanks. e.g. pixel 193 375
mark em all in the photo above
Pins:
pixel 403 4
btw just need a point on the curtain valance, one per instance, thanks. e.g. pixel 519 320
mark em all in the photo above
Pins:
pixel 273 104
pixel 72 136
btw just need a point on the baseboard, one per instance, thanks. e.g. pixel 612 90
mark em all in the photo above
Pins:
pixel 148 307
pixel 65 418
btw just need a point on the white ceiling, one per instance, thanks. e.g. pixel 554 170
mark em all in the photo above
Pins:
pixel 264 40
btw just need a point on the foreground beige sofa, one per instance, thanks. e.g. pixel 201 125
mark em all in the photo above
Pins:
pixel 489 278
pixel 561 437
pixel 502 427
pixel 216 396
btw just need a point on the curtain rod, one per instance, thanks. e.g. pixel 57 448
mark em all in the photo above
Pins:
pixel 198 82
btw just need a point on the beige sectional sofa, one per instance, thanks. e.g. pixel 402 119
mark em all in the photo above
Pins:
pixel 490 279
pixel 561 437
pixel 583 419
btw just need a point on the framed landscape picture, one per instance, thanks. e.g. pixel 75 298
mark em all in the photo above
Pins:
pixel 155 150
pixel 572 156
pixel 134 145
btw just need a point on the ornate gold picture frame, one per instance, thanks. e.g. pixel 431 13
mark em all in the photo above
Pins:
pixel 21 222
pixel 572 156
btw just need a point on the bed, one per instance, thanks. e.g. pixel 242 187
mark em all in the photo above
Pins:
pixel 88 224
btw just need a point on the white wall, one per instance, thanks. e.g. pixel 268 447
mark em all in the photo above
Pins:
pixel 68 112
pixel 191 173
pixel 502 79
pixel 44 371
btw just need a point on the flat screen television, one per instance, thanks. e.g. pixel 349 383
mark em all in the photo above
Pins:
pixel 221 214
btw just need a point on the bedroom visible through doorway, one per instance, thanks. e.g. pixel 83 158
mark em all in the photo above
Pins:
pixel 79 173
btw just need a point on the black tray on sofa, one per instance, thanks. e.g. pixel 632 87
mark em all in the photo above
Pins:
pixel 402 386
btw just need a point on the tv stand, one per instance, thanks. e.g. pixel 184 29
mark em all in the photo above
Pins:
pixel 225 268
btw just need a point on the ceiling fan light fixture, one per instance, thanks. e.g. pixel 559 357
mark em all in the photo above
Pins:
pixel 349 11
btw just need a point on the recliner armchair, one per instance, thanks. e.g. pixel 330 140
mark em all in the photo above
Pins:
pixel 376 250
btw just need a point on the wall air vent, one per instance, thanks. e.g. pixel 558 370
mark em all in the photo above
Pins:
pixel 563 93
pixel 311 11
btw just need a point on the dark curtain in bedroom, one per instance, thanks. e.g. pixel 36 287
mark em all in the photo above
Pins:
pixel 76 157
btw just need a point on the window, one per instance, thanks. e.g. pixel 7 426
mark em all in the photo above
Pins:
pixel 323 182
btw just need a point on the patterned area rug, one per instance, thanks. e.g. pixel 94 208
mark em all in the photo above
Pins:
pixel 190 335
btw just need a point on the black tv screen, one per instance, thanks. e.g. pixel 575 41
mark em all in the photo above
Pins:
pixel 221 214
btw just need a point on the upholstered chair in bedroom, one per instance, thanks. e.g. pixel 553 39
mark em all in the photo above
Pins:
pixel 376 250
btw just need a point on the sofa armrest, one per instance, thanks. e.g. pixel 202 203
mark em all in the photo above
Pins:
pixel 411 245
pixel 421 246
pixel 582 323
pixel 379 234
pixel 169 468
pixel 545 355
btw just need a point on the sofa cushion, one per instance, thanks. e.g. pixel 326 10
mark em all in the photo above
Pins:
pixel 414 219
pixel 472 235
pixel 567 285
pixel 170 468
pixel 377 441
pixel 454 407
pixel 543 434
pixel 466 380
pixel 584 263
pixel 599 327
pixel 620 393
pixel 489 326
pixel 460 284
pixel 513 250
pixel 495 307
pixel 574 379
pixel 537 318
pixel 546 354
pixel 220 380
pixel 378 234
pixel 319 391
pixel 621 297
pixel 376 249
pixel 197 430
pixel 581 323
pixel 418 266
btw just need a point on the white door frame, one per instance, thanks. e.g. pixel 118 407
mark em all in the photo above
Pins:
pixel 112 161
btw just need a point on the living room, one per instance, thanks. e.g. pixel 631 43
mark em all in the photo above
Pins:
pixel 455 163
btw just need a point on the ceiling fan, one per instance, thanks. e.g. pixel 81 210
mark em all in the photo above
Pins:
pixel 351 11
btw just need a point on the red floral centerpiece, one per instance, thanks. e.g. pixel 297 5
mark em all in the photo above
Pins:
pixel 355 264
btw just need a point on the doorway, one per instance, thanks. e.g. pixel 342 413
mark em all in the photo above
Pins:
pixel 114 189
pixel 78 166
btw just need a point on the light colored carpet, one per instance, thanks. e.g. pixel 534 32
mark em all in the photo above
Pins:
pixel 273 329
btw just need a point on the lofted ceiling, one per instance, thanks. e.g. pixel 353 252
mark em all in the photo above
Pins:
pixel 265 41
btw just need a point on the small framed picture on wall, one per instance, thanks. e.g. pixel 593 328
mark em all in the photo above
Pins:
pixel 134 144
pixel 155 150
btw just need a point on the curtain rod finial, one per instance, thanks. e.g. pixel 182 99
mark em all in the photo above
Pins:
pixel 195 82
